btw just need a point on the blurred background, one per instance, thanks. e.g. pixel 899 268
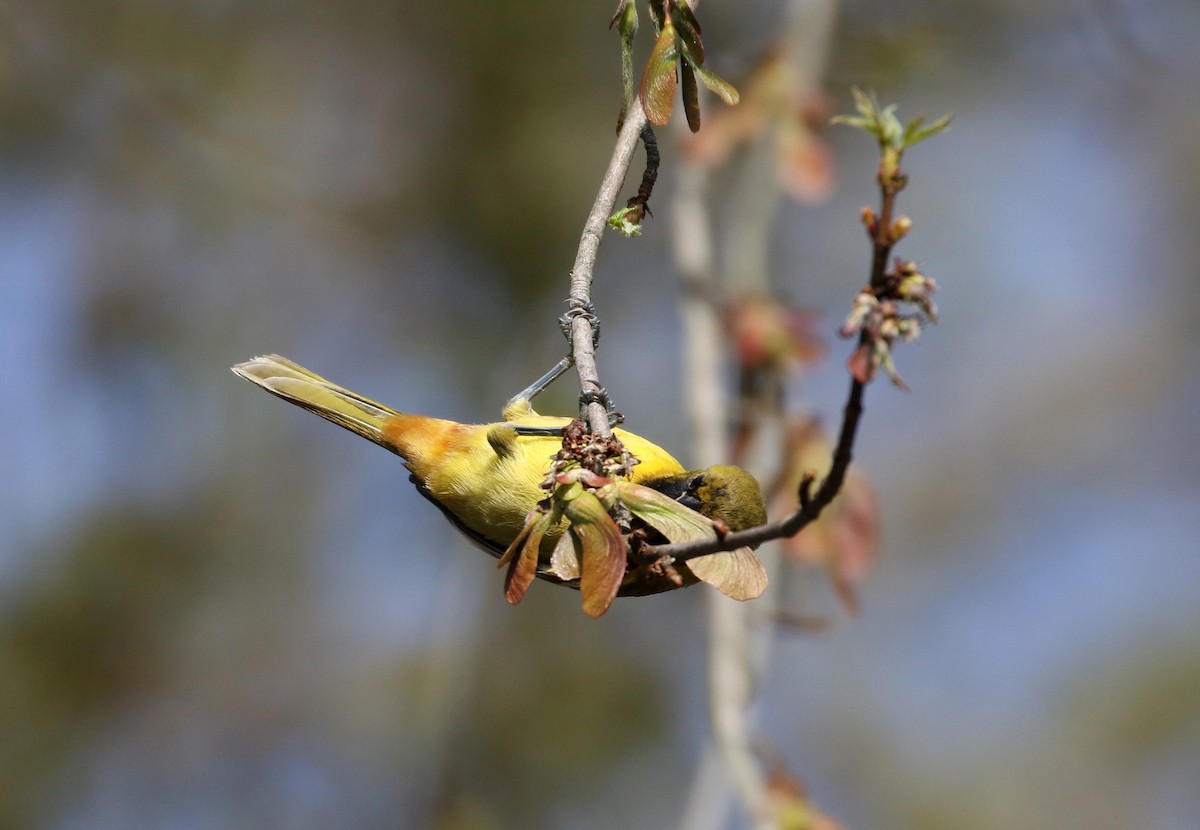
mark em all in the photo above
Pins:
pixel 217 611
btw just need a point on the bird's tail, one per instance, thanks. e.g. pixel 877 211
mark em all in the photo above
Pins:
pixel 294 383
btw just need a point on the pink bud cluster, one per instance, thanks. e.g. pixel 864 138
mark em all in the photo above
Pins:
pixel 879 315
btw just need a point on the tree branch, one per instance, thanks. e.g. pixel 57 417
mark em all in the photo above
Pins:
pixel 810 507
pixel 580 298
pixel 811 504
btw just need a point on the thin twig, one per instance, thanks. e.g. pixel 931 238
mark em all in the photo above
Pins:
pixel 580 297
pixel 650 176
pixel 811 505
pixel 798 520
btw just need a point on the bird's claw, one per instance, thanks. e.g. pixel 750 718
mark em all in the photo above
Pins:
pixel 601 397
pixel 586 311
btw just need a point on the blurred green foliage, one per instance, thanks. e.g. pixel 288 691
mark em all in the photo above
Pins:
pixel 90 635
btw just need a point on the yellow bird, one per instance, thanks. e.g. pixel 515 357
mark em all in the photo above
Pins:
pixel 486 478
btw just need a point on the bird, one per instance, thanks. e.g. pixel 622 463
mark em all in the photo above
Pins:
pixel 486 478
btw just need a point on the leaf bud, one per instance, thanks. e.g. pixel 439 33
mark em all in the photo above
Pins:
pixel 900 228
pixel 868 219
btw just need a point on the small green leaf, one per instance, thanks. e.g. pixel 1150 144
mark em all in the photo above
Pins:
pixel 891 133
pixel 717 85
pixel 913 126
pixel 736 573
pixel 885 126
pixel 864 103
pixel 624 220
pixel 914 133
pixel 868 118
pixel 657 90
pixel 860 122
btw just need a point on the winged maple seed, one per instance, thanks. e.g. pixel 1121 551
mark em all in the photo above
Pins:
pixel 677 51
pixel 602 552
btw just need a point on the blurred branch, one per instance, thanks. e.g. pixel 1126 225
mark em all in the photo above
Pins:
pixel 737 647
pixel 727 757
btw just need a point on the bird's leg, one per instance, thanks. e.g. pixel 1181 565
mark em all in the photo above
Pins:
pixel 538 386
